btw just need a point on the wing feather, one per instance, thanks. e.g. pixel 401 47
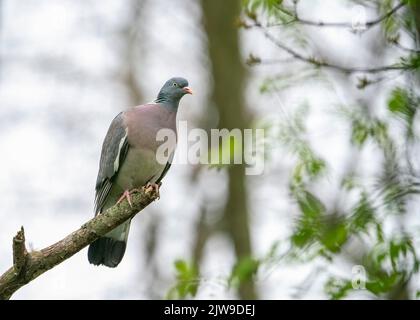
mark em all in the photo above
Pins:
pixel 166 168
pixel 114 150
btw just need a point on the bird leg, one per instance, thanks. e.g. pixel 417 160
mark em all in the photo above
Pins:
pixel 152 187
pixel 127 195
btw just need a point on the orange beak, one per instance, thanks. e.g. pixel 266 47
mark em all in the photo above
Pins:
pixel 187 90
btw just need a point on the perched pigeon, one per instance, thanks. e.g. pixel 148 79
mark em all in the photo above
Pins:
pixel 128 162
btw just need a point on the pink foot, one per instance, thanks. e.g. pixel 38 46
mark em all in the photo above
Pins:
pixel 127 195
pixel 152 187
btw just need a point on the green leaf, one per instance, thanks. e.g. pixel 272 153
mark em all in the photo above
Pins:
pixel 303 236
pixel 309 224
pixel 334 237
pixel 360 132
pixel 363 215
pixel 187 281
pixel 390 24
pixel 383 284
pixel 412 62
pixel 244 270
pixel 399 101
pixel 314 166
pixel 403 105
pixel 389 264
pixel 310 205
pixel 337 288
pixel 272 8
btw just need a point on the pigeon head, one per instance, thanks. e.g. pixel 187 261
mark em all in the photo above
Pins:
pixel 172 91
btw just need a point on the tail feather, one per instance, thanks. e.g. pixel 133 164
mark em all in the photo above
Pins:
pixel 109 250
pixel 106 251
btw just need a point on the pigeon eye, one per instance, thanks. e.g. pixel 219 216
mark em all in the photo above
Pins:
pixel 175 84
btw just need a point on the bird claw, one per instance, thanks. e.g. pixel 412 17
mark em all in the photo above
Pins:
pixel 127 195
pixel 152 187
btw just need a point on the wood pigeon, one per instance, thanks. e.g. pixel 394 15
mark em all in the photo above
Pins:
pixel 128 162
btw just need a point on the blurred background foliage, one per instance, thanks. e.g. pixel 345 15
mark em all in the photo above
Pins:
pixel 371 229
pixel 335 86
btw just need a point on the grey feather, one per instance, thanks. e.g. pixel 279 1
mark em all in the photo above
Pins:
pixel 114 150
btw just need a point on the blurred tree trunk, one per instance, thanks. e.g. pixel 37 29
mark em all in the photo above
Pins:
pixel 130 52
pixel 228 96
pixel 415 7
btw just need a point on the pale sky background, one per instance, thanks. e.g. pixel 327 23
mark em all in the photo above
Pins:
pixel 59 93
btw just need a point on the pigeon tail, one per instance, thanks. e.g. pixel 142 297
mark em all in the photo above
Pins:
pixel 106 251
pixel 109 249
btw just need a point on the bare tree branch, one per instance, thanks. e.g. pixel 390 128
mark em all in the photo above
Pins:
pixel 367 25
pixel 401 47
pixel 28 266
pixel 320 63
